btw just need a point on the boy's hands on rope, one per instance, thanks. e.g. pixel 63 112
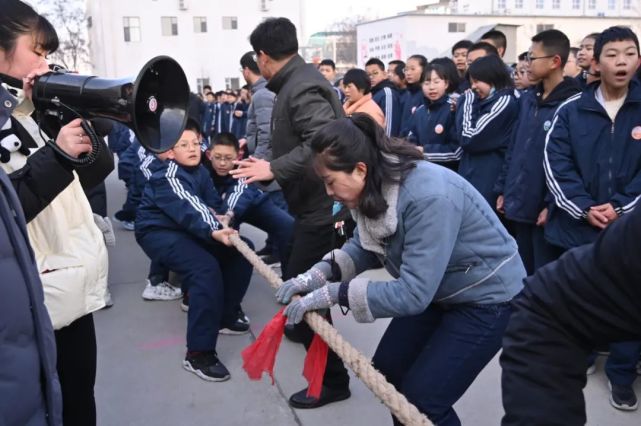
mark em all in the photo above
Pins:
pixel 222 235
pixel 303 283
pixel 323 298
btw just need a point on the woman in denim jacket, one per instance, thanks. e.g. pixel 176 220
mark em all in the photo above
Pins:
pixel 454 267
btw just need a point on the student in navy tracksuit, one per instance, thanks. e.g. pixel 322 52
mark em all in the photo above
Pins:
pixel 485 117
pixel 433 125
pixel 248 203
pixel 414 75
pixel 593 170
pixel 522 180
pixel 209 116
pixel 238 118
pixel 177 225
pixel 385 95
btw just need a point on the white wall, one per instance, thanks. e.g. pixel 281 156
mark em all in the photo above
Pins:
pixel 214 54
pixel 429 36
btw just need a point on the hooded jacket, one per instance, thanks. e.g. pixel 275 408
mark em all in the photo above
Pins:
pixel 591 160
pixel 388 99
pixel 305 102
pixel 522 180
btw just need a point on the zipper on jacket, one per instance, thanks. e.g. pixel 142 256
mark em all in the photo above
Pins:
pixel 610 159
pixel 460 268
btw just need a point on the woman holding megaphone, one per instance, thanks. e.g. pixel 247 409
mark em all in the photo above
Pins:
pixel 68 247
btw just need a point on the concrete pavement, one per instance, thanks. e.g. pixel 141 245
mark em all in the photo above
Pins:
pixel 141 381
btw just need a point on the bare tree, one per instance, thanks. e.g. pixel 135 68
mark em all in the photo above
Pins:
pixel 68 17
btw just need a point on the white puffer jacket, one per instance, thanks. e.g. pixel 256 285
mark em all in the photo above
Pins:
pixel 70 251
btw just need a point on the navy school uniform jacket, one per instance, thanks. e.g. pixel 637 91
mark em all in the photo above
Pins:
pixel 238 125
pixel 484 127
pixel 413 100
pixel 178 198
pixel 226 114
pixel 433 126
pixel 522 180
pixel 237 195
pixel 208 118
pixel 591 160
pixel 388 99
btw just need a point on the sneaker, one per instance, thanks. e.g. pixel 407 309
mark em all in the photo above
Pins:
pixel 271 260
pixel 184 304
pixel 109 301
pixel 126 224
pixel 242 317
pixel 591 369
pixel 265 251
pixel 161 291
pixel 623 397
pixel 236 328
pixel 206 365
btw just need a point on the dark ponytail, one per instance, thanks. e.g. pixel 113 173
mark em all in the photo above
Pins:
pixel 342 143
pixel 18 18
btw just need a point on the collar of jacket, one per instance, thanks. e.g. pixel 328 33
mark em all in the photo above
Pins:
pixel 260 83
pixel 495 95
pixel 437 103
pixel 413 88
pixel 351 107
pixel 278 80
pixel 588 98
pixel 566 88
pixel 383 84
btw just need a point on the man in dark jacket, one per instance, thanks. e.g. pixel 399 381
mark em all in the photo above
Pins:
pixel 28 379
pixel 588 298
pixel 305 102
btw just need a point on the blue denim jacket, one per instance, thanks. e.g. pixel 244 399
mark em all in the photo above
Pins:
pixel 448 247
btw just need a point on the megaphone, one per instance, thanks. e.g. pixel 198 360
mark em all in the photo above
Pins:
pixel 154 105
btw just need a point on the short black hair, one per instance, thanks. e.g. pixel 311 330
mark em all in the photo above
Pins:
pixel 327 62
pixel 446 70
pixel 396 62
pixel 247 61
pixel 210 93
pixel 498 37
pixel 358 78
pixel 193 125
pixel 276 37
pixel 18 18
pixel 522 56
pixel 375 61
pixel 483 45
pixel 225 139
pixel 491 70
pixel 616 33
pixel 593 36
pixel 207 86
pixel 554 42
pixel 462 44
pixel 399 69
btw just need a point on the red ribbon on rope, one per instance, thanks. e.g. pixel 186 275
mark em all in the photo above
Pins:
pixel 260 356
pixel 315 363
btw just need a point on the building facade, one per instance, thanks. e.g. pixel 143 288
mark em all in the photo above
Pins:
pixel 432 29
pixel 207 37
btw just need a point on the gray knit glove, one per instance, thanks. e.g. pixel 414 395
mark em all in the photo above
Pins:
pixel 107 229
pixel 323 298
pixel 315 278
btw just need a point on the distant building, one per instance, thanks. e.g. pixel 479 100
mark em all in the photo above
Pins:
pixel 207 38
pixel 339 46
pixel 432 29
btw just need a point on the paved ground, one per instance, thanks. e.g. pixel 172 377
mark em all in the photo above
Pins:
pixel 141 381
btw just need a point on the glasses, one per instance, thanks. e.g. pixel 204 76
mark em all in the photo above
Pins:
pixel 529 58
pixel 187 145
pixel 220 159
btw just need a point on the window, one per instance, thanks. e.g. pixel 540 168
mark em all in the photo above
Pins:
pixel 200 24
pixel 518 4
pixel 556 4
pixel 230 23
pixel 612 4
pixel 544 27
pixel 201 83
pixel 456 27
pixel 576 4
pixel 627 4
pixel 131 25
pixel 232 83
pixel 591 4
pixel 540 4
pixel 169 25
pixel 501 4
pixel 89 22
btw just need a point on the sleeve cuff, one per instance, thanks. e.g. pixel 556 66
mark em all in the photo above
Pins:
pixel 344 262
pixel 357 297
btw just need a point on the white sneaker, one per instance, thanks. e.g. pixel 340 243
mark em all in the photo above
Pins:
pixel 591 370
pixel 162 291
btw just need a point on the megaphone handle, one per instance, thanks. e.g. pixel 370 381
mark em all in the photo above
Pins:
pixel 83 160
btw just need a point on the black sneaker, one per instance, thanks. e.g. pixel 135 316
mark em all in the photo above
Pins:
pixel 206 365
pixel 623 397
pixel 237 327
pixel 242 317
pixel 271 260
pixel 265 251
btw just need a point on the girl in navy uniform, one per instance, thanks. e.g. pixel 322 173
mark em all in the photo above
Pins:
pixel 414 75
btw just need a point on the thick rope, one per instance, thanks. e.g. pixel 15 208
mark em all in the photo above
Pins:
pixel 405 411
